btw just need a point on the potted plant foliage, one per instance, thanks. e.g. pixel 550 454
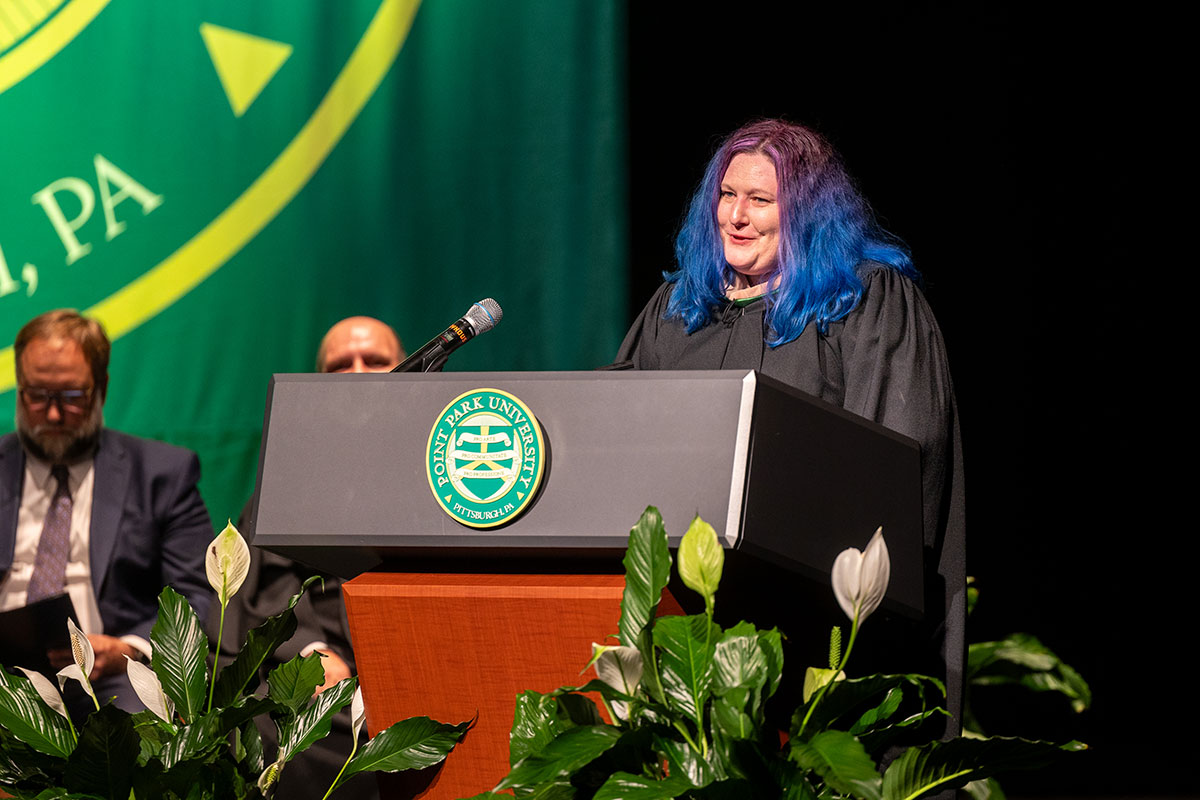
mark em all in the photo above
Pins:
pixel 197 738
pixel 687 703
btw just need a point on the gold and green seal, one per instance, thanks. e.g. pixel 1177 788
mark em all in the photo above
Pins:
pixel 485 458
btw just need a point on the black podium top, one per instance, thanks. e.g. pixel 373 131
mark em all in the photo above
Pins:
pixel 342 481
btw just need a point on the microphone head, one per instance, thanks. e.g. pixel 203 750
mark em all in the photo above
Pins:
pixel 484 315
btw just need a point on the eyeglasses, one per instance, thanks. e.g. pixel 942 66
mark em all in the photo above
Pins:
pixel 74 400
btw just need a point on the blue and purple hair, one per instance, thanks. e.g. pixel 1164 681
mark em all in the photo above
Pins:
pixel 826 231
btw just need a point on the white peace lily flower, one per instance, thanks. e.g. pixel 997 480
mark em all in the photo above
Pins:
pixel 358 712
pixel 621 668
pixel 85 659
pixel 860 579
pixel 226 563
pixel 45 689
pixel 149 689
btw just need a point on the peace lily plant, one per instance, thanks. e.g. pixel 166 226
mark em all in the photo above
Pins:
pixel 197 738
pixel 687 703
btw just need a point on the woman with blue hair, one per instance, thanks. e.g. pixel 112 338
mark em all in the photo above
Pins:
pixel 782 268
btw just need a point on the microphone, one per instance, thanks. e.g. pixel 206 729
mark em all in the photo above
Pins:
pixel 480 318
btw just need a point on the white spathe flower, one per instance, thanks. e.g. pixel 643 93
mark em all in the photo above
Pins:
pixel 149 689
pixel 860 579
pixel 85 659
pixel 358 712
pixel 45 689
pixel 621 668
pixel 226 563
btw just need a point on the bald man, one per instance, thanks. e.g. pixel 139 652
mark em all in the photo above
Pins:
pixel 359 344
pixel 355 344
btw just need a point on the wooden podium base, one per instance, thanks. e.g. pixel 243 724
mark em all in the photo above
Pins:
pixel 453 647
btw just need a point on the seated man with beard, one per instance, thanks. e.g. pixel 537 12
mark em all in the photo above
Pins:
pixel 105 517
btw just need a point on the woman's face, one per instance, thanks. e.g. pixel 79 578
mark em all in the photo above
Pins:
pixel 748 216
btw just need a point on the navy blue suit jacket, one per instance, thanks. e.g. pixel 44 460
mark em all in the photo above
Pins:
pixel 149 527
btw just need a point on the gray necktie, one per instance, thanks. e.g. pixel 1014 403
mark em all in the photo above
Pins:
pixel 54 548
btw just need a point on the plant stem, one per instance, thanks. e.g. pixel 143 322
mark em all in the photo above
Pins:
pixel 338 777
pixel 679 726
pixel 212 684
pixel 821 692
pixel 608 708
pixel 700 708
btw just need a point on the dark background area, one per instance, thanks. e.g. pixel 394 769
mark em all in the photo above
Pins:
pixel 1003 144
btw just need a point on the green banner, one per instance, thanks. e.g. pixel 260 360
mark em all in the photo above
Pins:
pixel 220 181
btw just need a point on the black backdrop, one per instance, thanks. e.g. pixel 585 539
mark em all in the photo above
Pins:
pixel 1000 144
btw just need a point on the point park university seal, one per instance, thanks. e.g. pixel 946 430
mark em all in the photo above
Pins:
pixel 485 458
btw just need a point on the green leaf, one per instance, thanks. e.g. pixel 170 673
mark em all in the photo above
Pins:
pixel 771 642
pixel 852 696
pixel 535 724
pixel 880 713
pixel 20 763
pixel 26 715
pixel 554 790
pixel 739 661
pixel 293 683
pixel 562 757
pixel 880 739
pixel 312 723
pixel 242 710
pixel 153 734
pixel 107 748
pixel 651 674
pixel 539 718
pixel 688 645
pixel 984 790
pixel 647 571
pixel 1022 659
pixel 793 780
pixel 701 560
pixel 413 743
pixel 192 741
pixel 180 650
pixel 730 717
pixel 576 709
pixel 261 642
pixel 250 747
pixel 939 766
pixel 841 762
pixel 815 678
pixel 1018 648
pixel 624 786
pixel 683 761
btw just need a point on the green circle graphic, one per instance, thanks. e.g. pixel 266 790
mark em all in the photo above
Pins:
pixel 485 458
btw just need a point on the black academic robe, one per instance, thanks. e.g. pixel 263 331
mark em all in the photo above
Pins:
pixel 884 361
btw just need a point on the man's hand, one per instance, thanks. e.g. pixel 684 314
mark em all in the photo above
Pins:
pixel 109 651
pixel 335 669
pixel 110 655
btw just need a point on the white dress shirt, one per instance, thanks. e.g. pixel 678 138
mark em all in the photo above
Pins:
pixel 36 495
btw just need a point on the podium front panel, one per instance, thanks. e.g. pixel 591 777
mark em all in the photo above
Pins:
pixel 786 477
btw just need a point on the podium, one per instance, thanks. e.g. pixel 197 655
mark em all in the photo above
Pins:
pixel 451 620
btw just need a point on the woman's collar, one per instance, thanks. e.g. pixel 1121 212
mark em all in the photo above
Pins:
pixel 735 292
